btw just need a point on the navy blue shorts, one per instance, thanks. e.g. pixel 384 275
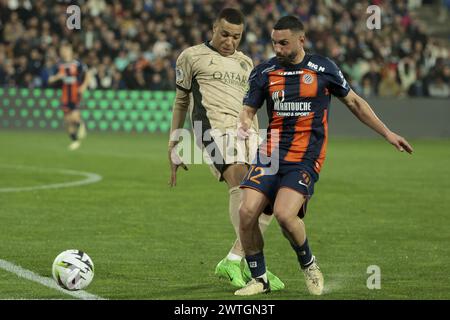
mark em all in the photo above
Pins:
pixel 297 176
pixel 69 107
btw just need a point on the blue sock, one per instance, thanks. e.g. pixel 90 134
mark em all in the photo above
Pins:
pixel 304 254
pixel 256 264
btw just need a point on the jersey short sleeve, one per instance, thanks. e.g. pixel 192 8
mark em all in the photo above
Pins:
pixel 82 69
pixel 183 71
pixel 337 84
pixel 255 93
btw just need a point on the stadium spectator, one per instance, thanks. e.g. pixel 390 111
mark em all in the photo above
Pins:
pixel 3 73
pixel 439 89
pixel 128 32
pixel 407 72
pixel 389 87
pixel 372 77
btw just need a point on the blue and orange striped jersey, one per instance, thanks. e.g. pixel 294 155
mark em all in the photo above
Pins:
pixel 297 99
pixel 74 73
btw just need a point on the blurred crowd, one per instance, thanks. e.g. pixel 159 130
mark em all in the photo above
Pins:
pixel 134 44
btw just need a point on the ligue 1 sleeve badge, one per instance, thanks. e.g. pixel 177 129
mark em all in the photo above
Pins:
pixel 179 75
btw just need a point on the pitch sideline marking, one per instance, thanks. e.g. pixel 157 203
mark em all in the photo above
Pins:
pixel 48 282
pixel 90 178
pixel 27 274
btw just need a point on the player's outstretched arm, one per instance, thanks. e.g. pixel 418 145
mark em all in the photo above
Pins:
pixel 179 111
pixel 361 109
pixel 245 122
pixel 56 77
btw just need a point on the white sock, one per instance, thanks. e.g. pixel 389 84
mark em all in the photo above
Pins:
pixel 264 277
pixel 233 257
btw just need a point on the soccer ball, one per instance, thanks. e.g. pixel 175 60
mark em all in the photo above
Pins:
pixel 73 270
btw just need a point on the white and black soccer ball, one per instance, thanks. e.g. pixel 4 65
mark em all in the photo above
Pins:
pixel 73 270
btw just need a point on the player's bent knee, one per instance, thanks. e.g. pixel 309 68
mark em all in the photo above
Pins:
pixel 283 218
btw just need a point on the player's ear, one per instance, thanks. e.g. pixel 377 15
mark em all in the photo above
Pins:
pixel 301 38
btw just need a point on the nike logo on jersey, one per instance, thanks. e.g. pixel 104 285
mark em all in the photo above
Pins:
pixel 274 82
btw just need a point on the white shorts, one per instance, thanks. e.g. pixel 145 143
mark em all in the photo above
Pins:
pixel 221 147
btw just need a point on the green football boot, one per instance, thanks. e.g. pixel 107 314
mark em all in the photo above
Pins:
pixel 275 283
pixel 230 270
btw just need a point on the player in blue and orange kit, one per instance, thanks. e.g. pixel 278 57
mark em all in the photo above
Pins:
pixel 75 78
pixel 297 88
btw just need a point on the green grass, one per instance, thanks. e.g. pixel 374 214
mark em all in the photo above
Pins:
pixel 372 206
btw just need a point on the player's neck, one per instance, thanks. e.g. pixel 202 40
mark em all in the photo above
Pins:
pixel 299 57
pixel 215 48
pixel 211 45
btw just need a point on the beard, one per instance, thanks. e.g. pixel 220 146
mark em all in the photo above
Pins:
pixel 287 60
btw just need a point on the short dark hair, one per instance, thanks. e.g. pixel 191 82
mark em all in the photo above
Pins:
pixel 231 15
pixel 289 22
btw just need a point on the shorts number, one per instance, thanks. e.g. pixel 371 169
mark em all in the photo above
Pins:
pixel 255 169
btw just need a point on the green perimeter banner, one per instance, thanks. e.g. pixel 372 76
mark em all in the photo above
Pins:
pixel 102 110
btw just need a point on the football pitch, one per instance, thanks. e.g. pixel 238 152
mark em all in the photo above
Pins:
pixel 373 206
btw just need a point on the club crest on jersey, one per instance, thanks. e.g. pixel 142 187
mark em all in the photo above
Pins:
pixel 307 78
pixel 244 66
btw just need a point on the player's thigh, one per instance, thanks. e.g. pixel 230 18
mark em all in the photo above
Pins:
pixel 234 174
pixel 288 204
pixel 211 139
pixel 299 179
pixel 260 178
pixel 226 160
pixel 72 116
pixel 76 115
pixel 252 205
